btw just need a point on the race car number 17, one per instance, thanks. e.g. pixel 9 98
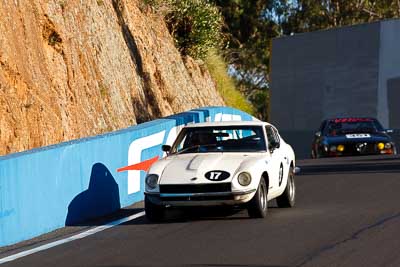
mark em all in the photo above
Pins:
pixel 217 175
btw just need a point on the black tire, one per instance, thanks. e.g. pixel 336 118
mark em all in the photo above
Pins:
pixel 288 197
pixel 258 205
pixel 313 154
pixel 317 154
pixel 154 213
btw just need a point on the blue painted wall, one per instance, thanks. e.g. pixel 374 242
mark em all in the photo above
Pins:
pixel 47 188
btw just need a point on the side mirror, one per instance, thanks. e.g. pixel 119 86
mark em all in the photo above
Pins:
pixel 318 134
pixel 166 148
pixel 273 146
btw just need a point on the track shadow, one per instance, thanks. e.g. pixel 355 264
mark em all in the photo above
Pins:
pixel 198 265
pixel 381 158
pixel 232 265
pixel 192 214
pixel 374 166
pixel 101 198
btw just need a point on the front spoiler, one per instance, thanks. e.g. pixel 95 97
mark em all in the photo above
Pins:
pixel 200 199
pixel 375 153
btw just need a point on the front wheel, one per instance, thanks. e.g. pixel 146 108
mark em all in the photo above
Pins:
pixel 313 154
pixel 258 205
pixel 154 213
pixel 288 197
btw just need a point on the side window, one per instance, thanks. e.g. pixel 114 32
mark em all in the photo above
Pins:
pixel 276 135
pixel 272 139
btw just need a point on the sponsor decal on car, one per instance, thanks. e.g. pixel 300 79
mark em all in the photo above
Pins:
pixel 217 175
pixel 358 136
pixel 343 120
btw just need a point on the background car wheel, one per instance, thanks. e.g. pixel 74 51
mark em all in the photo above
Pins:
pixel 287 199
pixel 317 153
pixel 258 205
pixel 154 213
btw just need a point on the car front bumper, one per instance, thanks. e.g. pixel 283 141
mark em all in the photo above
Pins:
pixel 356 153
pixel 358 149
pixel 200 199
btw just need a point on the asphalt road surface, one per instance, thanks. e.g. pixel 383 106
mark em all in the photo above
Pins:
pixel 347 214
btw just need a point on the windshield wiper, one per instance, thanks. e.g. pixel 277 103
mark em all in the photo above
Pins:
pixel 188 148
pixel 195 146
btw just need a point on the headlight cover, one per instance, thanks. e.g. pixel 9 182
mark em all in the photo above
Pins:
pixel 381 146
pixel 152 180
pixel 244 179
pixel 326 148
pixel 388 146
pixel 340 148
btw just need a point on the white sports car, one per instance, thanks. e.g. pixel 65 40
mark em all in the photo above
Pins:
pixel 242 163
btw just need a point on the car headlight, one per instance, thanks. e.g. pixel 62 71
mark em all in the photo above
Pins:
pixel 381 146
pixel 388 146
pixel 340 148
pixel 244 179
pixel 326 148
pixel 332 148
pixel 152 180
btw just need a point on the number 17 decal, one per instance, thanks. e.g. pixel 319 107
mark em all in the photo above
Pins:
pixel 217 175
pixel 214 175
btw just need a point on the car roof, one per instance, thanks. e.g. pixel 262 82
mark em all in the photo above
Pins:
pixel 228 123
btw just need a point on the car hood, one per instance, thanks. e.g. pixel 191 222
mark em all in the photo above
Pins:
pixel 358 137
pixel 191 168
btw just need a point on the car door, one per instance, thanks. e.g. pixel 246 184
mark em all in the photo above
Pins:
pixel 281 155
pixel 275 159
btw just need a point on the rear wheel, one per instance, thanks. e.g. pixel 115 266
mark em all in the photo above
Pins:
pixel 287 199
pixel 258 205
pixel 154 213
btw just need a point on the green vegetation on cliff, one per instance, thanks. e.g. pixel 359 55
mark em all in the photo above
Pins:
pixel 225 84
pixel 196 26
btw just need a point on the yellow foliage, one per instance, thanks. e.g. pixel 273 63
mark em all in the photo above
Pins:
pixel 225 84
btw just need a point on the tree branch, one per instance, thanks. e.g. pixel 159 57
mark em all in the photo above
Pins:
pixel 398 8
pixel 360 4
pixel 371 13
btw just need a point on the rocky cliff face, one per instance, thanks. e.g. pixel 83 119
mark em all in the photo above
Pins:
pixel 70 69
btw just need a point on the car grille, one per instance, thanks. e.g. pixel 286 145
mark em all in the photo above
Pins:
pixel 195 188
pixel 360 149
pixel 199 198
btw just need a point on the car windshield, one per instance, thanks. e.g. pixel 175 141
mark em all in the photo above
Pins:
pixel 219 139
pixel 343 126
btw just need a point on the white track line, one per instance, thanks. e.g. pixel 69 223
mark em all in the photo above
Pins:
pixel 71 238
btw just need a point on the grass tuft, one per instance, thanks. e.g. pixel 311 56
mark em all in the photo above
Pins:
pixel 226 84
